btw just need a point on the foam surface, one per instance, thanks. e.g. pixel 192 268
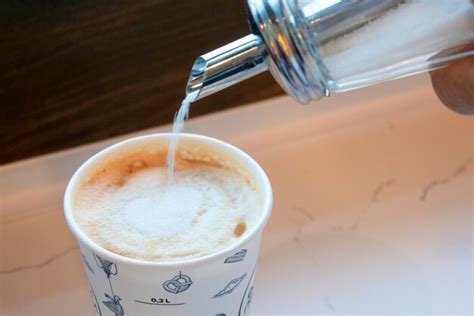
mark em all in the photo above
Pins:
pixel 205 209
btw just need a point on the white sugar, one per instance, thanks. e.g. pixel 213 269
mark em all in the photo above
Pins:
pixel 414 29
pixel 178 124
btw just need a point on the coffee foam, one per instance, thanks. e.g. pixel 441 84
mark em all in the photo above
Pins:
pixel 127 206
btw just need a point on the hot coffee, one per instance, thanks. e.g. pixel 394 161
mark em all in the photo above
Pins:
pixel 127 205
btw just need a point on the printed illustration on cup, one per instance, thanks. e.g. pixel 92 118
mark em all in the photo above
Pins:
pixel 236 257
pixel 178 284
pixel 107 266
pixel 112 301
pixel 231 286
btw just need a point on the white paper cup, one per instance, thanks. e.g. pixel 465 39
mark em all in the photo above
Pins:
pixel 217 284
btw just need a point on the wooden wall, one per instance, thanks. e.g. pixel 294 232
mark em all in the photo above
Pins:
pixel 78 71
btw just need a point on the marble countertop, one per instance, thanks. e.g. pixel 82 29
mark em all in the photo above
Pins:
pixel 373 209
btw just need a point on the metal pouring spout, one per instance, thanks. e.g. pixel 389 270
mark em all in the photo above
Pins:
pixel 226 66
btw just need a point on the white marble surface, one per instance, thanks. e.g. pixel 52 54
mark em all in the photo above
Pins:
pixel 373 209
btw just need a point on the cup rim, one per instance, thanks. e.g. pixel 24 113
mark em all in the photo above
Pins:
pixel 255 169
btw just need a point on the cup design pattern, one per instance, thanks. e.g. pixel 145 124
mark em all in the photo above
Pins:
pixel 178 284
pixel 112 301
pixel 236 257
pixel 231 286
pixel 107 266
pixel 113 304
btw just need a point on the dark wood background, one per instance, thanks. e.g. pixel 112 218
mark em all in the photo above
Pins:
pixel 78 71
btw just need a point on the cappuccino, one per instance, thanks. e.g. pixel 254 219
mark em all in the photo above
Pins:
pixel 127 205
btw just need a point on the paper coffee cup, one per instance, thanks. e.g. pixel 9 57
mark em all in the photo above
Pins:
pixel 220 283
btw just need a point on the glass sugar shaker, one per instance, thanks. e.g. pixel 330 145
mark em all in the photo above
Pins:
pixel 316 47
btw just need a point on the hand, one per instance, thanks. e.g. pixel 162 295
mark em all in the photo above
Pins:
pixel 454 85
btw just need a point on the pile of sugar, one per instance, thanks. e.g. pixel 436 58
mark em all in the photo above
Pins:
pixel 205 208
